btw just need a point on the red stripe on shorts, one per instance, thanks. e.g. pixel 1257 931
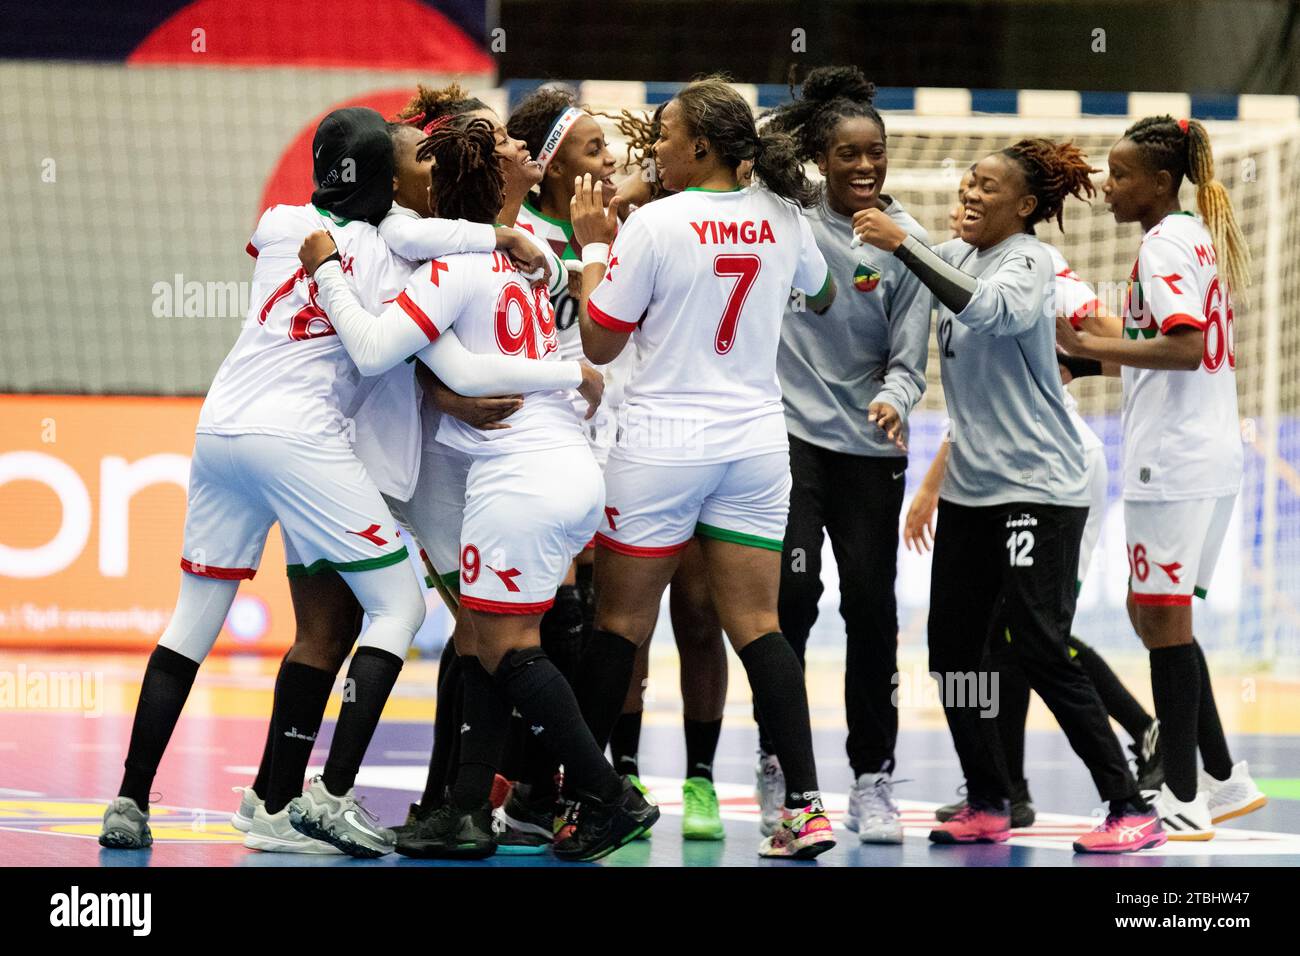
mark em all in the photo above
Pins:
pixel 504 607
pixel 1163 600
pixel 221 574
pixel 636 551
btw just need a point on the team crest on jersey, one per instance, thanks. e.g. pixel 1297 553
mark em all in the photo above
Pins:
pixel 866 277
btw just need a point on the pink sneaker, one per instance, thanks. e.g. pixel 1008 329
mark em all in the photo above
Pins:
pixel 1124 833
pixel 975 825
pixel 801 834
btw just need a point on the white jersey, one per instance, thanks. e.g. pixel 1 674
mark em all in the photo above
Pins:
pixel 1181 430
pixel 1075 299
pixel 495 312
pixel 565 290
pixel 701 279
pixel 558 236
pixel 288 374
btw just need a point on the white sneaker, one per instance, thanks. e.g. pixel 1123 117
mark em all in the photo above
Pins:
pixel 1182 821
pixel 274 833
pixel 872 813
pixel 249 801
pixel 769 792
pixel 1234 797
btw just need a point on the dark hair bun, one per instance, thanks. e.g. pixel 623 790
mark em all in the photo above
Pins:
pixel 827 83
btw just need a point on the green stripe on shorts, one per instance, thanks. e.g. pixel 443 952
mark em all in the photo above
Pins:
pixel 1199 592
pixel 366 564
pixel 737 537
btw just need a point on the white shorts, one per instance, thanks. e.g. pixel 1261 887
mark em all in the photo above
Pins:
pixel 433 515
pixel 654 511
pixel 1173 547
pixel 1098 479
pixel 331 514
pixel 519 537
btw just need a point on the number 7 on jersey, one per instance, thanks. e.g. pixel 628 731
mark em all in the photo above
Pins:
pixel 745 268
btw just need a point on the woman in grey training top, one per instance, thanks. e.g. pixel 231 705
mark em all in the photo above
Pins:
pixel 849 379
pixel 1014 500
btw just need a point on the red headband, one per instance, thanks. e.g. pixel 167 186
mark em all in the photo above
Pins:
pixel 439 122
pixel 1182 125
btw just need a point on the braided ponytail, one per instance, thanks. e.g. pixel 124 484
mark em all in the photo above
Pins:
pixel 468 183
pixel 1182 148
pixel 1215 207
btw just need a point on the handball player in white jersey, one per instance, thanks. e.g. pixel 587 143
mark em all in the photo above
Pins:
pixel 701 280
pixel 517 538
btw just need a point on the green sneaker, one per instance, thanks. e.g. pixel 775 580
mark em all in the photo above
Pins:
pixel 645 792
pixel 700 817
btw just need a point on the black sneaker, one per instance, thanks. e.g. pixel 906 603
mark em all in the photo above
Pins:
pixel 528 824
pixel 1147 755
pixel 602 828
pixel 413 816
pixel 1022 810
pixel 452 834
pixel 950 810
pixel 1022 807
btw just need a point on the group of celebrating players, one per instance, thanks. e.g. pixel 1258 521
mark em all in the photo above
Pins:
pixel 440 340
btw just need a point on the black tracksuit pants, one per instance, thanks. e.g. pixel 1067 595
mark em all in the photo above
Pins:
pixel 856 500
pixel 1024 557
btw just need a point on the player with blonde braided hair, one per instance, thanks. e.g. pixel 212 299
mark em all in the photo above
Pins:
pixel 1182 450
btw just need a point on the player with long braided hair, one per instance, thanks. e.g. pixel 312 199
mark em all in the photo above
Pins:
pixel 704 451
pixel 1014 499
pixel 849 379
pixel 1182 448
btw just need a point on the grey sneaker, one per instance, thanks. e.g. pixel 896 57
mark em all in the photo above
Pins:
pixel 274 833
pixel 872 813
pixel 249 801
pixel 126 826
pixel 341 821
pixel 769 791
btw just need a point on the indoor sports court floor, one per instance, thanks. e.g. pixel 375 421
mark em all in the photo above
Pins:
pixel 58 767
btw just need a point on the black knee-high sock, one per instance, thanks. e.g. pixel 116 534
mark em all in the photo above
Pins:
pixel 301 693
pixel 701 746
pixel 1119 703
pixel 564 634
pixel 587 593
pixel 1013 710
pixel 263 778
pixel 602 681
pixel 168 678
pixel 1209 729
pixel 444 728
pixel 561 631
pixel 777 684
pixel 541 694
pixel 370 680
pixel 624 742
pixel 1176 687
pixel 485 716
